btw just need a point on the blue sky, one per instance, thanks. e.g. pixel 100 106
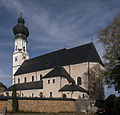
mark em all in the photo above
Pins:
pixel 52 25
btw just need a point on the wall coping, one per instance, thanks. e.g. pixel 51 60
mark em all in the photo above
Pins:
pixel 38 98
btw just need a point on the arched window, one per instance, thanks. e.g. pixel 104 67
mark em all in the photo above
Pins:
pixel 7 93
pixel 83 96
pixel 25 79
pixel 32 94
pixel 32 78
pixel 53 80
pixel 41 94
pixel 18 80
pixel 50 94
pixel 64 96
pixel 40 77
pixel 48 81
pixel 79 81
pixel 24 48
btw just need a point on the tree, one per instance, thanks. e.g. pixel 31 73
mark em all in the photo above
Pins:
pixel 95 83
pixel 117 105
pixel 116 75
pixel 14 100
pixel 110 39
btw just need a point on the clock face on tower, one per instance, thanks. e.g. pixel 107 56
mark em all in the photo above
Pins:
pixel 16 58
pixel 23 57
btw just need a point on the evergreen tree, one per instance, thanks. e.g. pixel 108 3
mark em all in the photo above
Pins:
pixel 14 100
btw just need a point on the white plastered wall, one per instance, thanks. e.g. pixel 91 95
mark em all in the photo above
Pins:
pixel 76 70
pixel 29 76
pixel 53 87
pixel 27 93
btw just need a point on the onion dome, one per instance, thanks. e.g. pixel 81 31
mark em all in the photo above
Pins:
pixel 20 28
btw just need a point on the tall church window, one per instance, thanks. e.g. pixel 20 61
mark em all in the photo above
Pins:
pixel 32 78
pixel 53 80
pixel 24 48
pixel 25 79
pixel 50 94
pixel 18 80
pixel 32 94
pixel 40 77
pixel 83 96
pixel 79 81
pixel 48 81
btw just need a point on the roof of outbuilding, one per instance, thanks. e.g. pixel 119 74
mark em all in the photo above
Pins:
pixel 27 86
pixel 3 98
pixel 80 54
pixel 72 88
pixel 2 85
pixel 59 71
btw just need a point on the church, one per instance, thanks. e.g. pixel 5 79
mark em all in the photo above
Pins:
pixel 60 74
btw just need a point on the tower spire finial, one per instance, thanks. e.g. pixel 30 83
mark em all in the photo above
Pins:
pixel 21 12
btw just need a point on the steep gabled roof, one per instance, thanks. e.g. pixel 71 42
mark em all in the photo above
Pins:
pixel 2 85
pixel 72 88
pixel 62 57
pixel 59 71
pixel 27 86
pixel 43 62
pixel 81 54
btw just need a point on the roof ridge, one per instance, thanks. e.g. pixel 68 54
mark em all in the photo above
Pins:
pixel 27 86
pixel 72 88
pixel 48 53
pixel 80 45
pixel 59 71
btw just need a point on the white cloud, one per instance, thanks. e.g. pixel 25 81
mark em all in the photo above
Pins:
pixel 12 5
pixel 65 27
pixel 55 32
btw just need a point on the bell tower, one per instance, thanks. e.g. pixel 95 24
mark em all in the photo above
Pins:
pixel 20 45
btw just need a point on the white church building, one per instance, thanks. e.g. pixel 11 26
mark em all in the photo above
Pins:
pixel 58 74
